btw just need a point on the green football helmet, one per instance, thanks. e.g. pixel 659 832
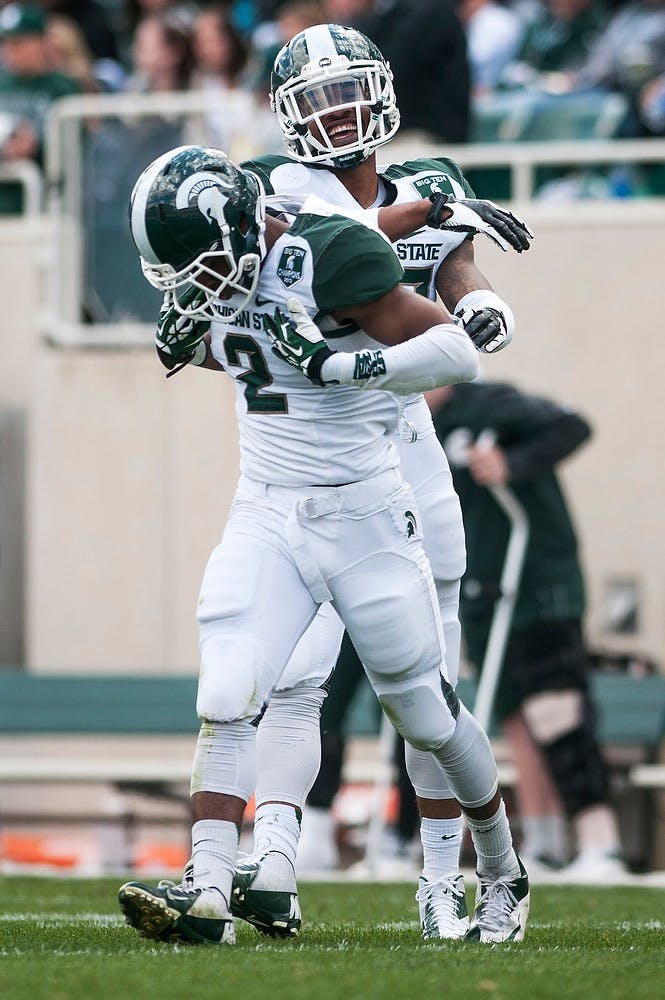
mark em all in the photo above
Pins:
pixel 198 223
pixel 331 68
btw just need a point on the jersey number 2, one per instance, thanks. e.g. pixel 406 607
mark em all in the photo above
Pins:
pixel 257 375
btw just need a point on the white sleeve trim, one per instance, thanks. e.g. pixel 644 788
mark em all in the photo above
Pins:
pixel 441 355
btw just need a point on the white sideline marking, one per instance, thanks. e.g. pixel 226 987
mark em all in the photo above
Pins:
pixel 99 919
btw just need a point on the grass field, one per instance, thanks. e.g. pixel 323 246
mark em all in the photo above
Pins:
pixel 65 938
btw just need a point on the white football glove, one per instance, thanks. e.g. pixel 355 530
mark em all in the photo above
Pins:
pixel 473 215
pixel 487 319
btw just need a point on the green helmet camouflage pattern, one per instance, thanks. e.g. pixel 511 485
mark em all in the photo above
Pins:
pixel 332 68
pixel 198 223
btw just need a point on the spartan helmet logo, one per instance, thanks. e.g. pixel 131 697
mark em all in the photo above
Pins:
pixel 205 190
pixel 411 525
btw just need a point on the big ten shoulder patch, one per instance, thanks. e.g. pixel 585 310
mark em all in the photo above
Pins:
pixel 434 183
pixel 290 267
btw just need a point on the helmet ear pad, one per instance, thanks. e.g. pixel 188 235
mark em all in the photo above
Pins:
pixel 331 68
pixel 198 222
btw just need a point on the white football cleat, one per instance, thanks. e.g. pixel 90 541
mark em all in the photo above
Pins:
pixel 175 913
pixel 502 908
pixel 442 906
pixel 265 894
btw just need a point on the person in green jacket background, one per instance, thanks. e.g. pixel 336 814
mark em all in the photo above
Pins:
pixel 495 435
pixel 28 88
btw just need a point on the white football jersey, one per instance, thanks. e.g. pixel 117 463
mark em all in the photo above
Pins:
pixel 420 253
pixel 291 432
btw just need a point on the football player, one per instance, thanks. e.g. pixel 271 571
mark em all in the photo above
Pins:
pixel 332 93
pixel 321 514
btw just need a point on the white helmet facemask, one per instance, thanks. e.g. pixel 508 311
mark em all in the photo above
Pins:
pixel 335 84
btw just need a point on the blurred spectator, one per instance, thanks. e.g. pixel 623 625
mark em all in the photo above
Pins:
pixel 425 44
pixel 220 68
pixel 346 11
pixel 651 106
pixel 220 51
pixel 135 10
pixel 494 32
pixel 296 15
pixel 99 34
pixel 70 53
pixel 629 52
pixel 557 43
pixel 289 18
pixel 542 704
pixel 162 54
pixel 93 20
pixel 28 87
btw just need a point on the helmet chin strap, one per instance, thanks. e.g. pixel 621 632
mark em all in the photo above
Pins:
pixel 344 162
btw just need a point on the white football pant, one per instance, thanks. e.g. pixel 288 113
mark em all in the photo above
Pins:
pixel 284 552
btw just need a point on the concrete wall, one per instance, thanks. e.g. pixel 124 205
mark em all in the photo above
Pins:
pixel 129 476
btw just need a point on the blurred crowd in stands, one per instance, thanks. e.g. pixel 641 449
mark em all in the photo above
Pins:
pixel 447 56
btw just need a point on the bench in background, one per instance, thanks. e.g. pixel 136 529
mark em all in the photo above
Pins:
pixel 631 725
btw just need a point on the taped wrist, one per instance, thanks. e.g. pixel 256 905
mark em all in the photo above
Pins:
pixel 313 370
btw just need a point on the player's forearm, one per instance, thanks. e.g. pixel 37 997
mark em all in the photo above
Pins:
pixel 397 221
pixel 443 355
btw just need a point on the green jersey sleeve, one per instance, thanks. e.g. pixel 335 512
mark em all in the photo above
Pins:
pixel 438 171
pixel 353 264
pixel 263 167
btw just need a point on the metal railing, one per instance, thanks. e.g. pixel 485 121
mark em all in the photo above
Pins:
pixel 524 158
pixel 252 130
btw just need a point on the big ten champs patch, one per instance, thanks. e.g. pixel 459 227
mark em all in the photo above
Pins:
pixel 432 184
pixel 291 263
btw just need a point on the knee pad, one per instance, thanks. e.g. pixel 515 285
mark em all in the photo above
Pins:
pixel 423 711
pixel 235 678
pixel 562 724
pixel 225 759
pixel 468 763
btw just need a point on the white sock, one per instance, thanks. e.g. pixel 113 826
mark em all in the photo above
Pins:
pixel 442 843
pixel 277 828
pixel 214 854
pixel 544 837
pixel 494 844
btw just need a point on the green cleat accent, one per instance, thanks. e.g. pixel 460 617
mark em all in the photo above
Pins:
pixel 502 908
pixel 443 910
pixel 177 913
pixel 265 894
